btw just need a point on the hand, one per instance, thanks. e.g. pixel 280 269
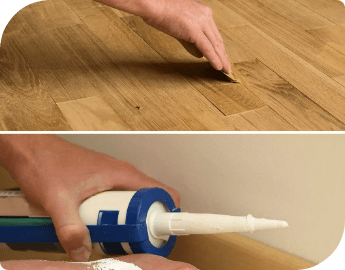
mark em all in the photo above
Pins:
pixel 58 176
pixel 191 20
pixel 154 262
pixel 143 261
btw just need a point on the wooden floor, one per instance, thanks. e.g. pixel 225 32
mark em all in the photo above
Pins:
pixel 79 65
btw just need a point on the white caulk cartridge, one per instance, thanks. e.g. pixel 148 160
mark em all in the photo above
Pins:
pixel 125 222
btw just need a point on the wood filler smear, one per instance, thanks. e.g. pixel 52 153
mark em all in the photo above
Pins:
pixel 234 76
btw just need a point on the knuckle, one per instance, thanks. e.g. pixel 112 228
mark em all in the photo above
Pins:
pixel 124 165
pixel 208 11
pixel 71 233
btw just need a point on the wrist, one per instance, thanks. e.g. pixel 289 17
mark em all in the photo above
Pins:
pixel 152 9
pixel 142 8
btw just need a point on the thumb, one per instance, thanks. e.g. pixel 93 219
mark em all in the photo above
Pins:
pixel 70 229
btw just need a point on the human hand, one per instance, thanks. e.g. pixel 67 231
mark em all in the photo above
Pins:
pixel 191 21
pixel 143 261
pixel 154 262
pixel 58 176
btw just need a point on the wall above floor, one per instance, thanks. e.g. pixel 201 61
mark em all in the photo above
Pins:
pixel 297 178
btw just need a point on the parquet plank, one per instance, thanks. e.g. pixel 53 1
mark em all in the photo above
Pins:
pixel 24 103
pixel 306 78
pixel 108 70
pixel 333 10
pixel 297 13
pixel 91 113
pixel 227 97
pixel 334 36
pixel 286 100
pixel 262 119
pixel 164 104
pixel 241 123
pixel 341 80
pixel 60 72
pixel 41 16
pixel 223 16
pixel 309 48
pixel 136 56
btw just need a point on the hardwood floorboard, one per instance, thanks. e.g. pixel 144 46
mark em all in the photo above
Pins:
pixel 309 48
pixel 41 16
pixel 333 10
pixel 334 36
pixel 78 64
pixel 298 14
pixel 310 81
pixel 223 16
pixel 286 100
pixel 24 103
pixel 341 80
pixel 91 113
pixel 60 72
pixel 262 119
pixel 241 123
pixel 229 98
pixel 147 65
pixel 164 104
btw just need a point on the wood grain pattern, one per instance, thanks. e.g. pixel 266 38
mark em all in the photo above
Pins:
pixel 223 16
pixel 293 69
pixel 24 103
pixel 162 104
pixel 334 36
pixel 263 118
pixel 61 73
pixel 41 16
pixel 233 251
pixel 91 113
pixel 309 48
pixel 229 98
pixel 285 99
pixel 298 14
pixel 341 80
pixel 333 10
pixel 73 51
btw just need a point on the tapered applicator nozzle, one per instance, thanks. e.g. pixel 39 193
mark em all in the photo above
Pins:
pixel 187 223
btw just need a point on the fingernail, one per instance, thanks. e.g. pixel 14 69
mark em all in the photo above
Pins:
pixel 81 254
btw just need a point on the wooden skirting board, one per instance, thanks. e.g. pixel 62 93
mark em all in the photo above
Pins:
pixel 80 65
pixel 233 251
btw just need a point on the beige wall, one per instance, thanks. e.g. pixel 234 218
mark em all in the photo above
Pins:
pixel 297 178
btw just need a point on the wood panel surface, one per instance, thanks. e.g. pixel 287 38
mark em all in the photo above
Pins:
pixel 62 59
pixel 333 10
pixel 233 251
pixel 91 113
pixel 341 80
pixel 332 35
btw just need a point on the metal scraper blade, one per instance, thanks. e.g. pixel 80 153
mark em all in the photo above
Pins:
pixel 232 78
